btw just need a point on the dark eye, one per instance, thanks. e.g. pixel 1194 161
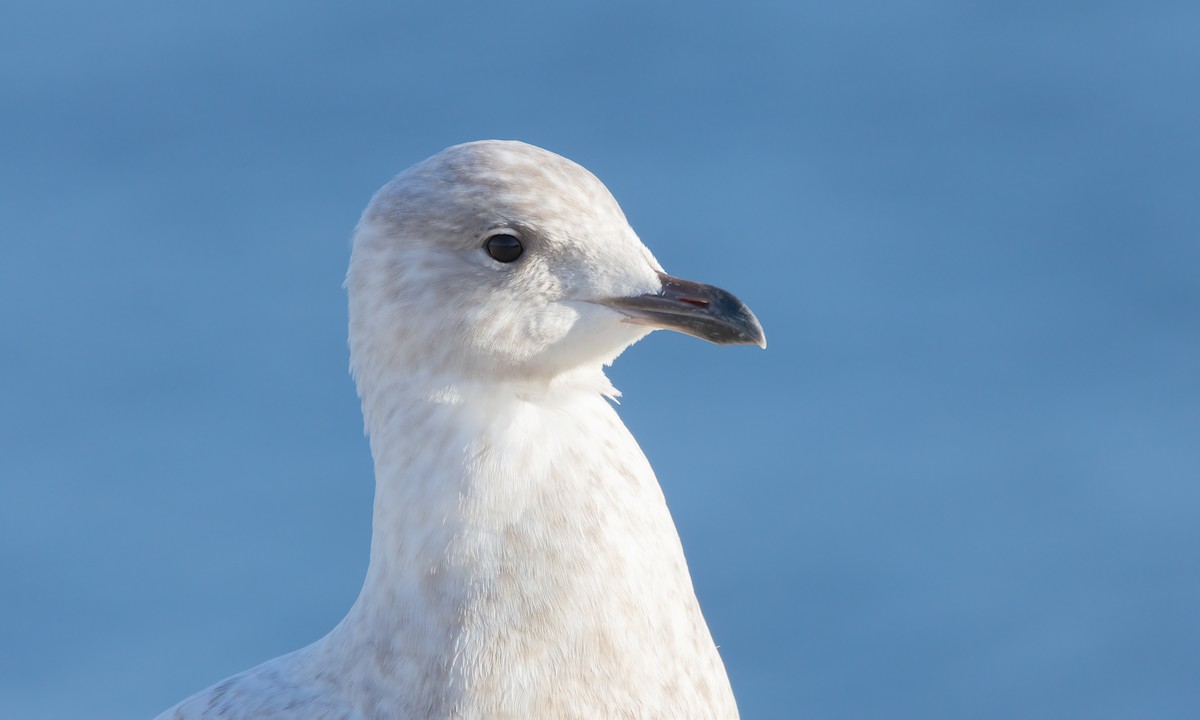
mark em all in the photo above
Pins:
pixel 504 248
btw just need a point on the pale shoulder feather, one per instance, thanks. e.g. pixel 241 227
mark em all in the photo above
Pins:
pixel 275 690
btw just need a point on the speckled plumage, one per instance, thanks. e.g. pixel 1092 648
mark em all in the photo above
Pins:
pixel 523 560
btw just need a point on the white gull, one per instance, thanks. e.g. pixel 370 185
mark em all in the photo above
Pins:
pixel 523 560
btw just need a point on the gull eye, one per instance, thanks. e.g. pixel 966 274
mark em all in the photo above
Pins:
pixel 504 248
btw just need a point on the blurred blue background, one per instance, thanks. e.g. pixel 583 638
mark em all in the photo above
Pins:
pixel 962 482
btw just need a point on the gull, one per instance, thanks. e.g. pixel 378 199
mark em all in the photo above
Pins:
pixel 523 561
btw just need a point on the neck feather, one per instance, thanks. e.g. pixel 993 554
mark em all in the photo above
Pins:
pixel 520 526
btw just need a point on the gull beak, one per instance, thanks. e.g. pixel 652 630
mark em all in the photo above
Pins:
pixel 699 310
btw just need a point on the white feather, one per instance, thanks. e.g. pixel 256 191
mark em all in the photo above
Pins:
pixel 523 560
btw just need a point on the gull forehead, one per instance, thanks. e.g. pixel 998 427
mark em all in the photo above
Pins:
pixel 469 188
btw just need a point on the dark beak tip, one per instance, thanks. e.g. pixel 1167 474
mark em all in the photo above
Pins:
pixel 754 330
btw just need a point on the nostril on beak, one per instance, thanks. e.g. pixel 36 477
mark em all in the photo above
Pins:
pixel 694 301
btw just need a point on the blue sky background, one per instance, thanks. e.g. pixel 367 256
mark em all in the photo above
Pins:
pixel 962 482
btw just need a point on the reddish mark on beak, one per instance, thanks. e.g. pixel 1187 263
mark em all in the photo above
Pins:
pixel 693 301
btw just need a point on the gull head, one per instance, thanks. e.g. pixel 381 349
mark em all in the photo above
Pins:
pixel 498 260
